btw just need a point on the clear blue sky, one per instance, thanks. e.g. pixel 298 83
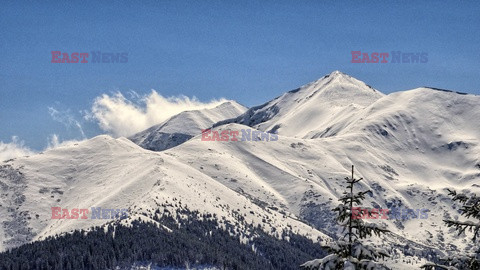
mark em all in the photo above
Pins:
pixel 249 51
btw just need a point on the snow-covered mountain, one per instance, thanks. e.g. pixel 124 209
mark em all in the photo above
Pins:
pixel 183 126
pixel 409 147
pixel 319 109
pixel 117 174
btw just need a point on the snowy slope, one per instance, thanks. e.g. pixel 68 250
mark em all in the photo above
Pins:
pixel 115 174
pixel 183 126
pixel 408 146
pixel 319 109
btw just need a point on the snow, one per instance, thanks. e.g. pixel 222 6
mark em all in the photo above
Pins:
pixel 408 146
pixel 321 106
pixel 116 174
pixel 185 125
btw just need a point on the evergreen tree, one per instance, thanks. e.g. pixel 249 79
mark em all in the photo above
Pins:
pixel 470 209
pixel 195 239
pixel 349 252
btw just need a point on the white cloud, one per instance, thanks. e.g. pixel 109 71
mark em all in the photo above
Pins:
pixel 120 116
pixel 67 119
pixel 14 149
pixel 116 115
pixel 54 142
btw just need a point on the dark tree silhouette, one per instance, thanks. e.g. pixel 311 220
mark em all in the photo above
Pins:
pixel 349 252
pixel 470 209
pixel 196 240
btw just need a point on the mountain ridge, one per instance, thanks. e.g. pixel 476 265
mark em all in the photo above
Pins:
pixel 332 91
pixel 183 126
pixel 409 147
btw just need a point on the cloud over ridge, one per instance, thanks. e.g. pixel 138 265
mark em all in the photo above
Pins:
pixel 121 116
pixel 14 149
pixel 67 119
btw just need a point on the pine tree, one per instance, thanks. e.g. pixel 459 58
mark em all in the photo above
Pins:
pixel 470 209
pixel 349 252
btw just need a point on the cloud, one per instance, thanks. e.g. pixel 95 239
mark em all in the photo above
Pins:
pixel 14 149
pixel 54 142
pixel 120 116
pixel 67 119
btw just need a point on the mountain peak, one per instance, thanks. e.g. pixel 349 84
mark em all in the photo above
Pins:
pixel 340 75
pixel 332 75
pixel 183 126
pixel 311 108
pixel 231 104
pixel 337 83
pixel 336 73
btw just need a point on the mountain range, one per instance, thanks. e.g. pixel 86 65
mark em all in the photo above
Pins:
pixel 409 147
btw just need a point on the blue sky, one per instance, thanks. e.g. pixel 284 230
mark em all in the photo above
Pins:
pixel 249 51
